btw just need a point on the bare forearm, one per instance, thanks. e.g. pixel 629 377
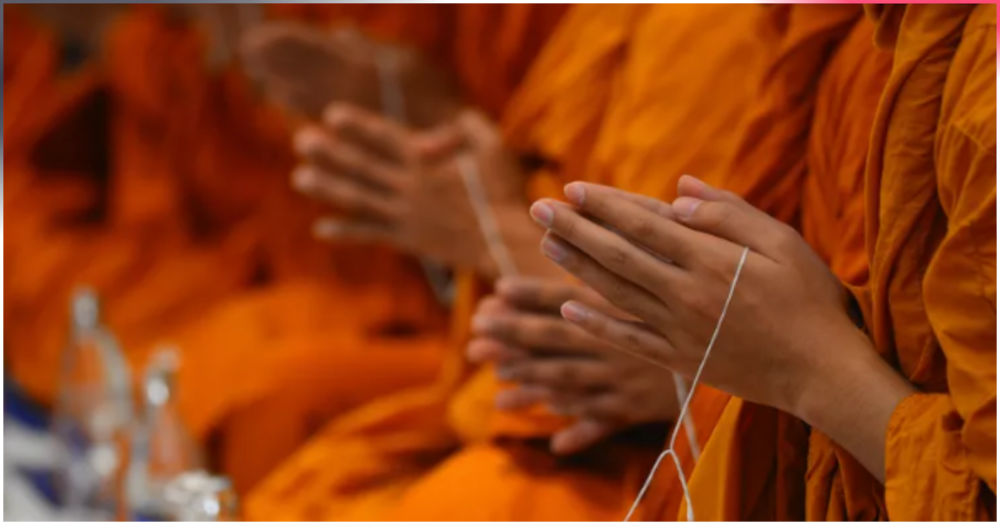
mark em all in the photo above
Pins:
pixel 853 400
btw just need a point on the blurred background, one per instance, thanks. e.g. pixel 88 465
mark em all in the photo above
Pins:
pixel 154 244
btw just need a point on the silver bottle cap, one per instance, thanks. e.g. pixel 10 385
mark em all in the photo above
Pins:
pixel 85 309
pixel 161 373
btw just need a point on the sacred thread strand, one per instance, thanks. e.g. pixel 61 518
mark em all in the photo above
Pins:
pixel 687 406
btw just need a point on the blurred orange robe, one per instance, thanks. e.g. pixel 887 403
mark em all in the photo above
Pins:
pixel 200 214
pixel 599 104
pixel 339 325
pixel 929 302
pixel 51 250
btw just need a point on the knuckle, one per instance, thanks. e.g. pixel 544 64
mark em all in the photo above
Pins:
pixel 699 305
pixel 642 228
pixel 720 214
pixel 618 256
pixel 504 328
pixel 632 342
pixel 618 293
pixel 553 332
pixel 787 239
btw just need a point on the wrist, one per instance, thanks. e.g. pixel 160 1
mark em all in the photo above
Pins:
pixel 851 397
pixel 521 239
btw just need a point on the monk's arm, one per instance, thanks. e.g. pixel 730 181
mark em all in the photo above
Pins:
pixel 852 400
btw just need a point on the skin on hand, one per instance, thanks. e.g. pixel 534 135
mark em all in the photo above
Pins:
pixel 404 187
pixel 554 362
pixel 787 340
pixel 306 69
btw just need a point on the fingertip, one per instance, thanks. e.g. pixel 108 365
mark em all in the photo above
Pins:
pixel 491 305
pixel 691 186
pixel 574 312
pixel 337 115
pixel 565 443
pixel 512 287
pixel 576 192
pixel 685 207
pixel 542 213
pixel 505 286
pixel 304 178
pixel 306 140
pixel 482 324
pixel 326 228
pixel 480 350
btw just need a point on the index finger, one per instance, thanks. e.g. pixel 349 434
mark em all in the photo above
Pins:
pixel 542 295
pixel 654 231
pixel 388 139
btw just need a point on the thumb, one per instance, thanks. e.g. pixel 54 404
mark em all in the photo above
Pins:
pixel 480 132
pixel 440 141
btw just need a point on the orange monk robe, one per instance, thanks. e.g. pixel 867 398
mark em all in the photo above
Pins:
pixel 141 259
pixel 929 303
pixel 40 100
pixel 396 459
pixel 183 232
pixel 335 325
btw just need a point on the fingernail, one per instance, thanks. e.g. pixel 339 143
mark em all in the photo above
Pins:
pixel 303 178
pixel 685 207
pixel 574 312
pixel 575 192
pixel 542 213
pixel 481 324
pixel 554 249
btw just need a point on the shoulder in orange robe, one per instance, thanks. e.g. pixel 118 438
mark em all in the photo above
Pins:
pixel 929 302
pixel 594 106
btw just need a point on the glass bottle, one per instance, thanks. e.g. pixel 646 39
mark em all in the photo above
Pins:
pixel 92 416
pixel 163 448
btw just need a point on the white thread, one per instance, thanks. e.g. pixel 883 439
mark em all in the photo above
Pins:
pixel 393 101
pixel 394 107
pixel 687 401
pixel 692 430
pixel 484 215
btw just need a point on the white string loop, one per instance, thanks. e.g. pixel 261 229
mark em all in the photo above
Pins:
pixel 687 402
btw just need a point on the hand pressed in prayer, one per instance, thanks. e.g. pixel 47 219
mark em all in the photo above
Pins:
pixel 554 362
pixel 405 187
pixel 787 340
pixel 305 70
